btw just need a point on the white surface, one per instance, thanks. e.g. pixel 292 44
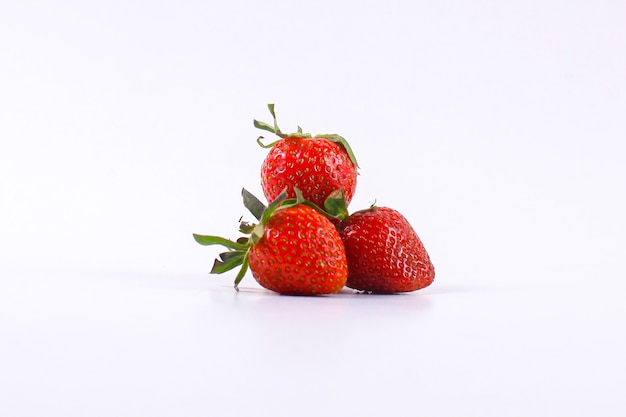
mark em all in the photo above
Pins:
pixel 101 344
pixel 496 129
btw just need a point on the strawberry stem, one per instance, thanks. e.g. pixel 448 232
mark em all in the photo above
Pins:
pixel 276 130
pixel 265 126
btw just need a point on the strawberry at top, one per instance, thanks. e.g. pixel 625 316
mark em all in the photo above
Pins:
pixel 317 165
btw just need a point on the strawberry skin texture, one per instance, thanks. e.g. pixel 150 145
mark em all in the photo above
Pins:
pixel 384 253
pixel 317 166
pixel 300 253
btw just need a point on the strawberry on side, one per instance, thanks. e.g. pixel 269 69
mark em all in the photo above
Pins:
pixel 317 165
pixel 384 253
pixel 294 249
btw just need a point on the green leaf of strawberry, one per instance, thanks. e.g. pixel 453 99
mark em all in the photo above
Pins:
pixel 227 261
pixel 336 206
pixel 253 204
pixel 216 240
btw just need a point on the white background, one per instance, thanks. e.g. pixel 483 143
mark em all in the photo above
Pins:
pixel 496 128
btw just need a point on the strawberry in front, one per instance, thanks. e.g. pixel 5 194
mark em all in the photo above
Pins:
pixel 293 249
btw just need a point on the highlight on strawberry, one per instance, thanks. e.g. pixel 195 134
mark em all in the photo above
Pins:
pixel 293 249
pixel 317 165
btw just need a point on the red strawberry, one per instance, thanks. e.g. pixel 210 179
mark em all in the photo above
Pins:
pixel 384 253
pixel 293 250
pixel 316 165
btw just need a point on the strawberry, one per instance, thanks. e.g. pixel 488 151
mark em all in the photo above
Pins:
pixel 294 249
pixel 384 253
pixel 316 165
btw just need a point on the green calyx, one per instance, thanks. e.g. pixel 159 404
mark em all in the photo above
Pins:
pixel 273 128
pixel 335 205
pixel 276 130
pixel 237 254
